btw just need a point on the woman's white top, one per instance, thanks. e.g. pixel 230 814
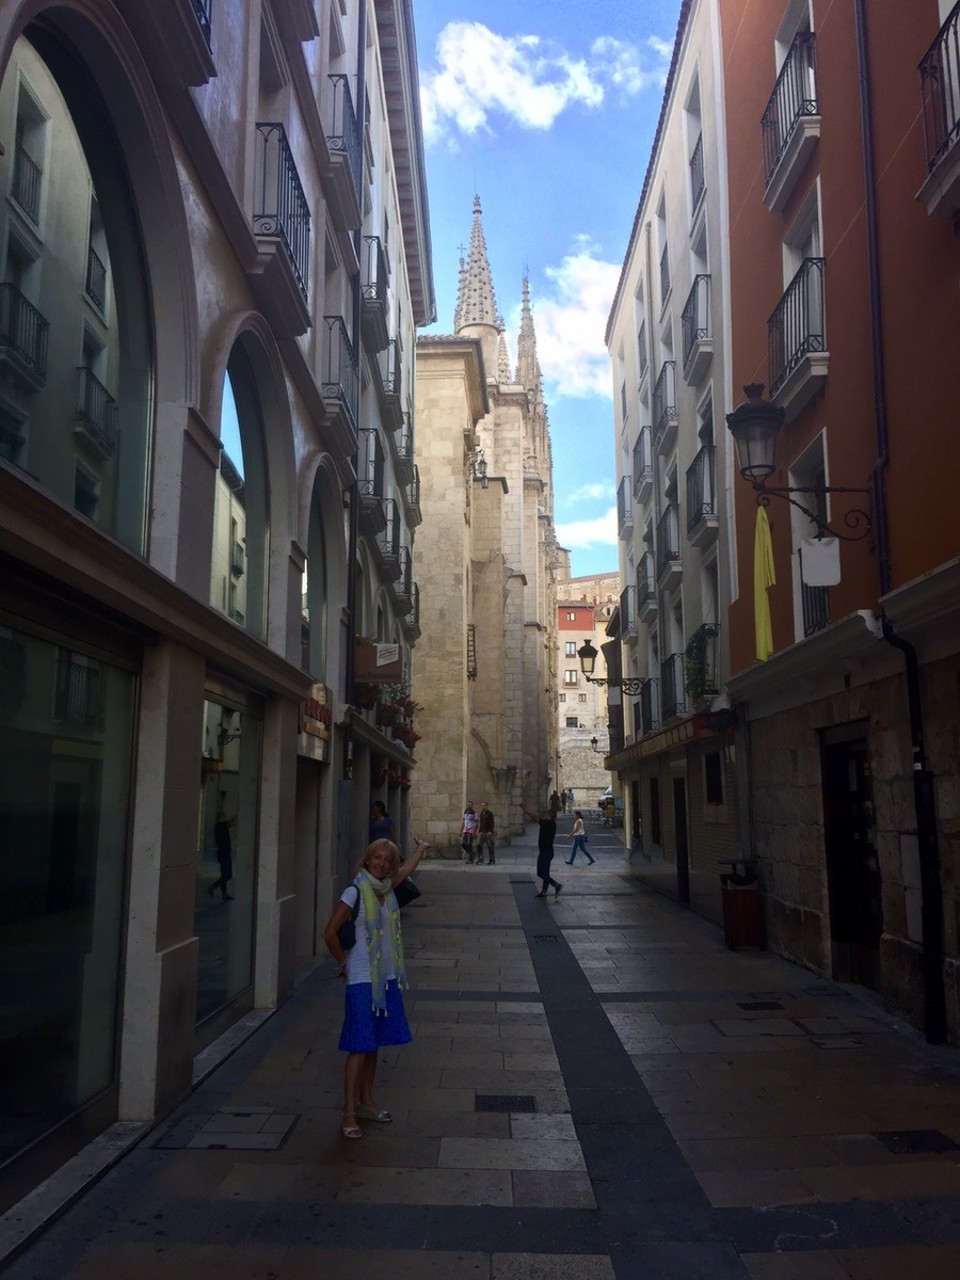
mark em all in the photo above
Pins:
pixel 357 968
pixel 577 828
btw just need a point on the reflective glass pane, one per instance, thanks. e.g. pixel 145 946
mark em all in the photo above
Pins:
pixel 66 727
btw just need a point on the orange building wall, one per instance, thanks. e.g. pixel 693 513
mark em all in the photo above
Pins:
pixel 919 260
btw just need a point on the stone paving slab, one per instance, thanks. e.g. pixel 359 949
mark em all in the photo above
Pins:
pixel 678 1131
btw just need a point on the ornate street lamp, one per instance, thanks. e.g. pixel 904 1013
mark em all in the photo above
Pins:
pixel 587 654
pixel 755 425
pixel 480 471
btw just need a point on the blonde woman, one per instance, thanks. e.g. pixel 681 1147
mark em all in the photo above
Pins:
pixel 373 970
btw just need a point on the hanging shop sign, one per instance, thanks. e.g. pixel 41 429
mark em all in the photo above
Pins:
pixel 316 724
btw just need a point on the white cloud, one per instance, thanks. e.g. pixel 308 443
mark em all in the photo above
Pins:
pixel 571 323
pixel 480 74
pixel 591 492
pixel 581 535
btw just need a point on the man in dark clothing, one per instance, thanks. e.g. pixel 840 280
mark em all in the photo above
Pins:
pixel 548 832
pixel 221 838
pixel 485 829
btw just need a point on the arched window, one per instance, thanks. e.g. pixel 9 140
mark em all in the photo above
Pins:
pixel 241 529
pixel 75 341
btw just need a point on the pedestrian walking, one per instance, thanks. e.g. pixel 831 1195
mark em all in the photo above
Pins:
pixel 579 840
pixel 485 835
pixel 381 824
pixel 374 973
pixel 556 804
pixel 468 831
pixel 224 847
pixel 548 832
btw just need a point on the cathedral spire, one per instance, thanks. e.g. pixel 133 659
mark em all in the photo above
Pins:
pixel 504 372
pixel 476 303
pixel 528 366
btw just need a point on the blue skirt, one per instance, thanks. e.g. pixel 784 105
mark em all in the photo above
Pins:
pixel 364 1032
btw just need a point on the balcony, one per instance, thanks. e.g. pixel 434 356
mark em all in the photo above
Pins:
pixel 387 380
pixel 669 565
pixel 650 706
pixel 281 224
pixel 697 179
pixel 411 620
pixel 701 669
pixel 673 696
pixel 643 465
pixel 373 516
pixel 647 589
pixel 238 559
pixel 791 122
pixel 403 443
pixel 411 499
pixel 664 275
pixel 403 587
pixel 374 283
pixel 665 408
pixel 628 613
pixel 23 341
pixel 95 284
pixel 339 379
pixel 814 608
pixel 702 520
pixel 27 183
pixel 624 511
pixel 695 326
pixel 202 9
pixel 387 543
pixel 642 354
pixel 796 341
pixel 343 186
pixel 940 100
pixel 95 422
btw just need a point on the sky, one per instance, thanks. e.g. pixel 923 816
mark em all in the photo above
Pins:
pixel 547 110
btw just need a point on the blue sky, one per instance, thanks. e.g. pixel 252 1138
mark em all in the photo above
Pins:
pixel 547 111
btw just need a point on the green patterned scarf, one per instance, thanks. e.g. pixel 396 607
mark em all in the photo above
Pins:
pixel 370 888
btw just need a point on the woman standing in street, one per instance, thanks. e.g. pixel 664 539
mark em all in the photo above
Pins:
pixel 579 840
pixel 374 973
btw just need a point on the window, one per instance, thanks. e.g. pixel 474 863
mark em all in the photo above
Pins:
pixel 562 698
pixel 581 697
pixel 571 677
pixel 713 777
pixel 573 722
pixel 570 649
pixel 571 617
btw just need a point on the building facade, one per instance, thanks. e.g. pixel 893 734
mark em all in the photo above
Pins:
pixel 585 606
pixel 216 252
pixel 485 670
pixel 667 339
pixel 843 158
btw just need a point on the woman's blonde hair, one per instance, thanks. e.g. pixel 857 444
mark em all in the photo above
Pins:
pixel 382 843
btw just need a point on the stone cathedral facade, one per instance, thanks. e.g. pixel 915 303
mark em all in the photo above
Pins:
pixel 485 670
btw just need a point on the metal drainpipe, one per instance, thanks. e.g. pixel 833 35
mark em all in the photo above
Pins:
pixel 931 887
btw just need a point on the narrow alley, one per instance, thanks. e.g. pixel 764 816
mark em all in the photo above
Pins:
pixel 598 1089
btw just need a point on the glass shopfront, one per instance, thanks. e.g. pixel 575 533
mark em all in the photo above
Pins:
pixel 227 852
pixel 66 735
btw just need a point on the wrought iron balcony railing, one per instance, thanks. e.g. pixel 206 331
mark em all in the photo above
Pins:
pixel 793 97
pixel 701 672
pixel 404 587
pixel 668 538
pixel 701 494
pixel 371 463
pixel 796 328
pixel 404 443
pixel 390 369
pixel 202 9
pixel 673 700
pixel 628 611
pixel 27 181
pixel 374 271
pixel 664 400
pixel 96 419
pixel 281 209
pixel 624 509
pixel 642 462
pixel 23 332
pixel 646 579
pixel 815 608
pixel 940 90
pixel 389 539
pixel 339 377
pixel 650 706
pixel 344 136
pixel 695 320
pixel 96 281
pixel 697 180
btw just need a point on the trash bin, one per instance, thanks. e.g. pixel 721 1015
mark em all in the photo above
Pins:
pixel 742 904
